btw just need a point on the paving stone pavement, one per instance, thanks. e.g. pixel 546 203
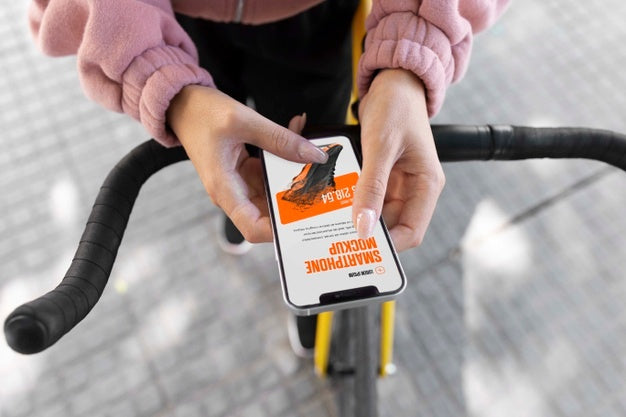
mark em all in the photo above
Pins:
pixel 514 304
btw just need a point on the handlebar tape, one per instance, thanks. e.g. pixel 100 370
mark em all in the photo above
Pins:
pixel 38 324
pixel 500 142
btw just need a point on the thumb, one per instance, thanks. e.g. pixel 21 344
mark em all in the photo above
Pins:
pixel 297 123
pixel 370 191
pixel 283 142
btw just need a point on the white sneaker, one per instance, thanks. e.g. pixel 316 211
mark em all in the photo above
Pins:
pixel 230 239
pixel 301 333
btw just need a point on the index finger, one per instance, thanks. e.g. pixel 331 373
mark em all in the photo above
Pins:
pixel 281 141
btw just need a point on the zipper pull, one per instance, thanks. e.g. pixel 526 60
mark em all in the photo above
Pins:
pixel 239 11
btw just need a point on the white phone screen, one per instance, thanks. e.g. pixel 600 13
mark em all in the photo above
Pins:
pixel 319 250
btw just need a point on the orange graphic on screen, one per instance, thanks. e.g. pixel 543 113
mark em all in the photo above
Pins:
pixel 316 190
pixel 314 179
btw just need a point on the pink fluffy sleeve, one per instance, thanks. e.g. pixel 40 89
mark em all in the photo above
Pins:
pixel 133 57
pixel 431 38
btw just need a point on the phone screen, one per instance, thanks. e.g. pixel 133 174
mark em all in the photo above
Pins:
pixel 318 250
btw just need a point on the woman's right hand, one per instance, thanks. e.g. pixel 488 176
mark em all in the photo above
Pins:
pixel 214 128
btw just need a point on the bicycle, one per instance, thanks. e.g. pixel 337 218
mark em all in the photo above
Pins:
pixel 40 323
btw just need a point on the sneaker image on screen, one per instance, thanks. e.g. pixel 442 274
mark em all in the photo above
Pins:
pixel 314 179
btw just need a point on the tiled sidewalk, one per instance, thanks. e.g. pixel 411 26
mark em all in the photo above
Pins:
pixel 515 301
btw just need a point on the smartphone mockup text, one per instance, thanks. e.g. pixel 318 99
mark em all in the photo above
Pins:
pixel 323 264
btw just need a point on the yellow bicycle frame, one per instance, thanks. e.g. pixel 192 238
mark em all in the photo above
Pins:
pixel 358 35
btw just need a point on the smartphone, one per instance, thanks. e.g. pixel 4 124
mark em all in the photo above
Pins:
pixel 322 262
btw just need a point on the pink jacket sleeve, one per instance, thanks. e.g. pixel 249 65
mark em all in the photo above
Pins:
pixel 133 57
pixel 431 38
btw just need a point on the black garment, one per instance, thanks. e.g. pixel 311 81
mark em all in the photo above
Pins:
pixel 300 64
pixel 296 65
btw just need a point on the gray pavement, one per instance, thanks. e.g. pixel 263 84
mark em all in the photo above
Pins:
pixel 514 304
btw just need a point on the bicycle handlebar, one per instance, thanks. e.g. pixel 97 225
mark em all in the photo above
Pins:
pixel 38 324
pixel 505 143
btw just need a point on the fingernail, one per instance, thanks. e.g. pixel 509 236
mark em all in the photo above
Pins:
pixel 312 153
pixel 365 222
pixel 302 121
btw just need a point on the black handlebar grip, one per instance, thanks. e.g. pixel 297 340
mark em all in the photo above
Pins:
pixel 504 142
pixel 463 142
pixel 38 324
pixel 517 142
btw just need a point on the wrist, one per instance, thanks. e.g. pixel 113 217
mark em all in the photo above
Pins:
pixel 178 104
pixel 180 110
pixel 392 86
pixel 404 78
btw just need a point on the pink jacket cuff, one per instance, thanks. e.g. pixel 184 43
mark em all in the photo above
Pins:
pixel 133 57
pixel 433 39
pixel 404 40
pixel 152 80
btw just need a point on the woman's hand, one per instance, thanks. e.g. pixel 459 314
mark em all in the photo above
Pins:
pixel 402 176
pixel 214 129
